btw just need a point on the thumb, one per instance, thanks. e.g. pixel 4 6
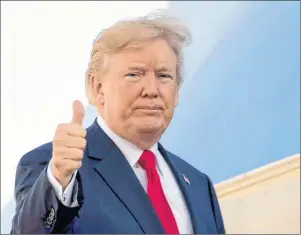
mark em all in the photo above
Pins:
pixel 78 112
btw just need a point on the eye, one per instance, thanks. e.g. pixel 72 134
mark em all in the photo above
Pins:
pixel 164 77
pixel 132 77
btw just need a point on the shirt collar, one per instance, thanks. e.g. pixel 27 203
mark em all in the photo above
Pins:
pixel 130 150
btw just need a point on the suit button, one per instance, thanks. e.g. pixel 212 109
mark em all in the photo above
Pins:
pixel 52 211
pixel 47 225
pixel 49 220
pixel 51 216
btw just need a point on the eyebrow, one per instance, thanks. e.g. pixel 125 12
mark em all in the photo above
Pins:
pixel 137 68
pixel 143 69
pixel 163 69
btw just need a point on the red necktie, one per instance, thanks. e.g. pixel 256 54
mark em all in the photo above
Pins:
pixel 156 193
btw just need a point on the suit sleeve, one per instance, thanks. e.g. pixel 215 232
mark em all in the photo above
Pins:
pixel 216 208
pixel 65 196
pixel 38 209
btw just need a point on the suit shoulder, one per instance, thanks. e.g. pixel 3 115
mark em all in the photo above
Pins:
pixel 182 162
pixel 41 154
pixel 190 168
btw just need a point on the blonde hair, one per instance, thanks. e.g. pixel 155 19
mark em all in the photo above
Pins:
pixel 129 34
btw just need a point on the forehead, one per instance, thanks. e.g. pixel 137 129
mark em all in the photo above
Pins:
pixel 156 53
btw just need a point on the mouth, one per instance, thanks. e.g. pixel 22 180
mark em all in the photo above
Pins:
pixel 150 107
pixel 150 110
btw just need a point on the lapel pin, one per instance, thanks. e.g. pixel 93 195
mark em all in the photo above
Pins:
pixel 186 179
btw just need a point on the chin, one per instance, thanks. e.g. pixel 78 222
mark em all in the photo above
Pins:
pixel 148 124
pixel 145 134
pixel 149 127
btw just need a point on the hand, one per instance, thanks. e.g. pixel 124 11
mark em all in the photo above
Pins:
pixel 68 146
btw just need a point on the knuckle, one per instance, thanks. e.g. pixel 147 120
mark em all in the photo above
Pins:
pixel 81 131
pixel 84 142
pixel 61 127
pixel 79 164
pixel 79 153
pixel 84 132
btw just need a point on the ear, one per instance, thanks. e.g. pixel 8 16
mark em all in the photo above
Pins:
pixel 97 90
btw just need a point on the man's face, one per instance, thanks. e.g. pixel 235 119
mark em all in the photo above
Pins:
pixel 139 90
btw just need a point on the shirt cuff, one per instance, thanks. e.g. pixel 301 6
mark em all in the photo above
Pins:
pixel 68 197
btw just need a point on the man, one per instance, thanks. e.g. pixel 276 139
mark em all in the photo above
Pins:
pixel 115 176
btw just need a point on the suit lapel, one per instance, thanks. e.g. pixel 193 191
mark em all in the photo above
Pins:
pixel 114 169
pixel 198 216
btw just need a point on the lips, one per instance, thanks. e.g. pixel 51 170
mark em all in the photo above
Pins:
pixel 149 107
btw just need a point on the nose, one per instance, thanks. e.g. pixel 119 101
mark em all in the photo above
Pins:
pixel 150 86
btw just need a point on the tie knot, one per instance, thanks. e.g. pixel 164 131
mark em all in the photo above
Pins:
pixel 147 160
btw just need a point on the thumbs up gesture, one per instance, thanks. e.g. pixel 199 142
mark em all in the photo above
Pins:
pixel 68 146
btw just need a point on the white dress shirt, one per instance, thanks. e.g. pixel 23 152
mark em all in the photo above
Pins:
pixel 132 153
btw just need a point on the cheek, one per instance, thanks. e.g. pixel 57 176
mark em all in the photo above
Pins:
pixel 170 98
pixel 119 103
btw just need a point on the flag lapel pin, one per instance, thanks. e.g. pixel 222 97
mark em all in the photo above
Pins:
pixel 186 179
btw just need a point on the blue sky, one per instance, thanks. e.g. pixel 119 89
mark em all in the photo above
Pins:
pixel 240 104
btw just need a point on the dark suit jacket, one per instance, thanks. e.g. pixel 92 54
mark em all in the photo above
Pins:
pixel 111 198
